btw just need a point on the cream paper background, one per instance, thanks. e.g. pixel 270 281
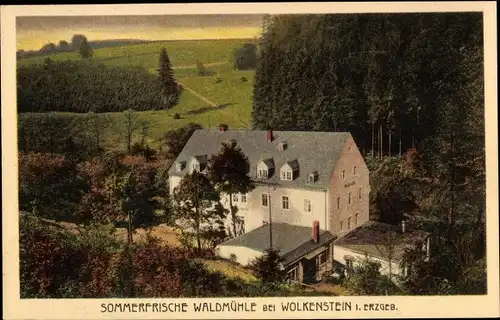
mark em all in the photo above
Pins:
pixel 408 306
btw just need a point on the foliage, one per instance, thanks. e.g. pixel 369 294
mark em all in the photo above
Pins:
pixel 383 71
pixel 170 88
pixel 228 170
pixel 50 186
pixel 195 210
pixel 366 280
pixel 175 140
pixel 268 267
pixel 245 57
pixel 85 50
pixel 84 86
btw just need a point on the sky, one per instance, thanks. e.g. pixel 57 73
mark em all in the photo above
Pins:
pixel 34 32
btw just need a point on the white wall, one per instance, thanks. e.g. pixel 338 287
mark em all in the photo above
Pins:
pixel 173 182
pixel 340 252
pixel 254 213
pixel 243 255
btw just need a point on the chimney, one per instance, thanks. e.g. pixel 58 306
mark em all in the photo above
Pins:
pixel 222 127
pixel 315 231
pixel 269 136
pixel 403 226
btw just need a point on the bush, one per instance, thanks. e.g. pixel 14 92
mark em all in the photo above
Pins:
pixel 243 79
pixel 177 116
pixel 233 258
pixel 268 267
pixel 218 80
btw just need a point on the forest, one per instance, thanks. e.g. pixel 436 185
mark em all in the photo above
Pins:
pixel 83 86
pixel 409 88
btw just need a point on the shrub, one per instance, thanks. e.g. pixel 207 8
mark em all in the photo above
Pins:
pixel 243 79
pixel 177 116
pixel 233 258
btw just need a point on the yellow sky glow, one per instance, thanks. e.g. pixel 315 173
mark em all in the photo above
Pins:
pixel 35 39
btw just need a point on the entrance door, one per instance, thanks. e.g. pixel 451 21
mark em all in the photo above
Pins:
pixel 309 270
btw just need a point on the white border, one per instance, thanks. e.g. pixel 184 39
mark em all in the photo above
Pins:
pixel 410 306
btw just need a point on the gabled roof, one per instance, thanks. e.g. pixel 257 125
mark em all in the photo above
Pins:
pixel 268 162
pixel 292 241
pixel 201 158
pixel 294 165
pixel 379 239
pixel 314 151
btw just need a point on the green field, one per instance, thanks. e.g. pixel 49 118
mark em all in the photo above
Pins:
pixel 225 88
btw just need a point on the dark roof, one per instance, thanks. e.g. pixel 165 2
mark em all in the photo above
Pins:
pixel 314 151
pixel 268 162
pixel 294 164
pixel 375 238
pixel 292 241
pixel 201 158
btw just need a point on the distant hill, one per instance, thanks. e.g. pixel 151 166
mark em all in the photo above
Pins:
pixel 95 44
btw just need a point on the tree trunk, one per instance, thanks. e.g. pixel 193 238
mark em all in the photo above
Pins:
pixel 381 142
pixel 452 185
pixel 373 139
pixel 129 231
pixel 233 214
pixel 400 141
pixel 390 143
pixel 198 239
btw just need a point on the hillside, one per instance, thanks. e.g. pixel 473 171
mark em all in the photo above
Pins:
pixel 222 97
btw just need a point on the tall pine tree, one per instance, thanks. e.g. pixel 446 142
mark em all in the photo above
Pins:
pixel 169 85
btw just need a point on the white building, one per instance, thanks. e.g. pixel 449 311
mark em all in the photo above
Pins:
pixel 313 186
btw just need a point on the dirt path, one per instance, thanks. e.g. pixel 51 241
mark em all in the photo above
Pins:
pixel 212 64
pixel 199 96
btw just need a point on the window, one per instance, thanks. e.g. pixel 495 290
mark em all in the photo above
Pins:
pixel 359 193
pixel 338 202
pixel 341 225
pixel 349 223
pixel 261 174
pixel 286 175
pixel 284 202
pixel 243 198
pixel 235 197
pixel 354 170
pixel 307 205
pixel 349 200
pixel 293 274
pixel 264 200
pixel 349 264
pixel 356 219
pixel 322 257
pixel 343 174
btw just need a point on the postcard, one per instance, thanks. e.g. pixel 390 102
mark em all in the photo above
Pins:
pixel 244 160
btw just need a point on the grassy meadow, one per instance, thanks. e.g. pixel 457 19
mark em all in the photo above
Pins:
pixel 225 88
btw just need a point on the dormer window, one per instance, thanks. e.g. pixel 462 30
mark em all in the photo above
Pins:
pixel 262 174
pixel 289 170
pixel 265 168
pixel 179 166
pixel 312 177
pixel 282 146
pixel 198 163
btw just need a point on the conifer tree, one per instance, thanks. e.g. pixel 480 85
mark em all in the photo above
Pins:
pixel 168 84
pixel 229 172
